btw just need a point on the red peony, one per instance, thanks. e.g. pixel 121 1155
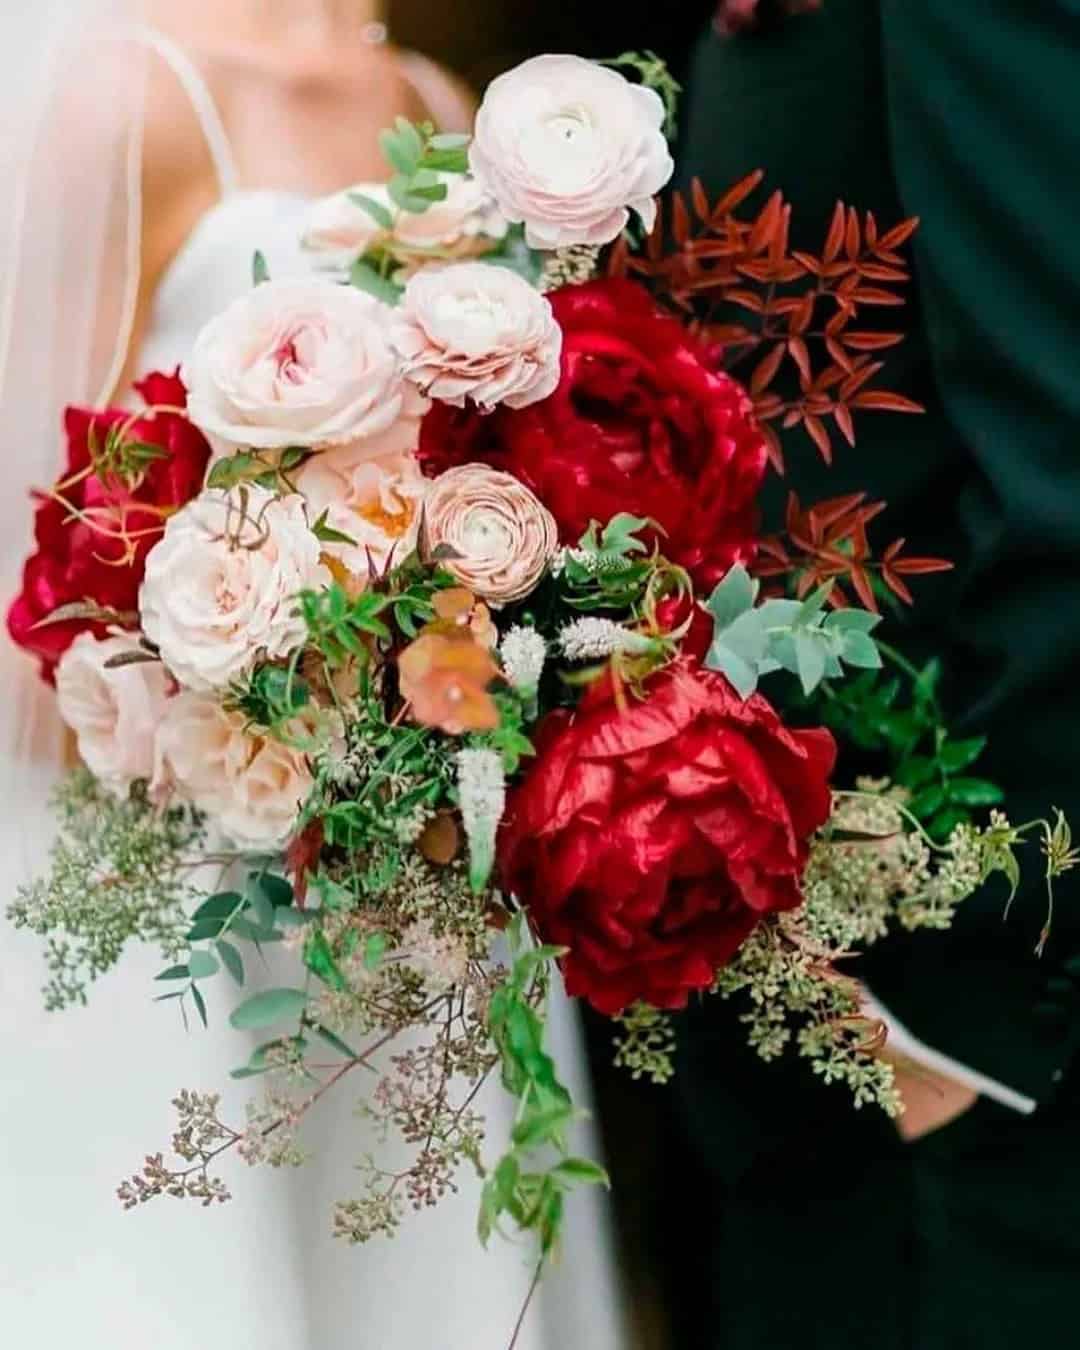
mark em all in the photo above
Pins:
pixel 650 842
pixel 77 559
pixel 639 424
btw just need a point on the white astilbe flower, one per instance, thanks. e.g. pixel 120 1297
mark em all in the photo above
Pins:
pixel 523 652
pixel 482 797
pixel 593 639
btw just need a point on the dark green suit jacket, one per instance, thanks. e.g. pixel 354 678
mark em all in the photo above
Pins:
pixel 965 113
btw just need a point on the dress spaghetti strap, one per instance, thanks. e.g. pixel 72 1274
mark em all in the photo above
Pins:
pixel 449 102
pixel 202 100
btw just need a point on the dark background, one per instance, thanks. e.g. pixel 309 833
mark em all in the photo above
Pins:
pixel 479 38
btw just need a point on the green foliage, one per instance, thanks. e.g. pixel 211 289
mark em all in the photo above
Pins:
pixel 611 567
pixel 418 155
pixel 260 271
pixel 340 626
pixel 267 1007
pixel 270 695
pixel 519 1185
pixel 366 277
pixel 509 739
pixel 799 636
pixel 267 469
pixel 117 875
pixel 897 716
pixel 376 210
pixel 652 71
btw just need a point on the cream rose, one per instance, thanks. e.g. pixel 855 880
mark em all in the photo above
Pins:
pixel 294 363
pixel 113 711
pixel 339 230
pixel 252 787
pixel 502 536
pixel 376 502
pixel 221 585
pixel 474 331
pixel 570 148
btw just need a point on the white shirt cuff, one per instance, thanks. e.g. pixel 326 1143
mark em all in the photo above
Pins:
pixel 905 1043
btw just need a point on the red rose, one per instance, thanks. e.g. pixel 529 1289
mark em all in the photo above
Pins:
pixel 83 558
pixel 639 423
pixel 650 842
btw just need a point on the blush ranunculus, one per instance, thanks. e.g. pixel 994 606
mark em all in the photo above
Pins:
pixel 83 557
pixel 570 148
pixel 650 842
pixel 639 423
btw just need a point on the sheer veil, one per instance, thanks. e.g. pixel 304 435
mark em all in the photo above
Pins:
pixel 71 86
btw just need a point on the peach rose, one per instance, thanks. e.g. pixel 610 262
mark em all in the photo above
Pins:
pixel 252 787
pixel 294 363
pixel 113 711
pixel 570 148
pixel 474 331
pixel 502 536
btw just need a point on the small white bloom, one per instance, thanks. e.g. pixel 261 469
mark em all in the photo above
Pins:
pixel 113 711
pixel 482 798
pixel 221 585
pixel 478 332
pixel 300 362
pixel 592 639
pixel 570 148
pixel 251 787
pixel 441 962
pixel 523 652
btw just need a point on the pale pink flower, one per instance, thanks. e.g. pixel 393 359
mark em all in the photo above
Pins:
pixel 294 363
pixel 502 537
pixel 570 148
pixel 113 711
pixel 251 787
pixel 221 586
pixel 478 332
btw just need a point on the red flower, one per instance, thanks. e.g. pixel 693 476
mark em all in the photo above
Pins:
pixel 651 842
pixel 639 423
pixel 99 555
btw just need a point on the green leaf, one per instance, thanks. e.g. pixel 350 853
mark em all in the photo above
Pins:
pixel 205 928
pixel 928 801
pixel 272 1005
pixel 916 772
pixel 732 597
pixel 860 650
pixel 955 756
pixel 581 1172
pixel 810 654
pixel 335 1041
pixel 365 278
pixel 376 210
pixel 231 960
pixel 203 964
pixel 851 621
pixel 200 1004
pixel 260 272
pixel 541 1127
pixel 740 674
pixel 974 792
pixel 399 153
pixel 450 140
pixel 446 161
pixel 325 532
pixel 221 906
pixel 234 469
pixel 374 947
pixel 943 824
pixel 173 973
pixel 319 959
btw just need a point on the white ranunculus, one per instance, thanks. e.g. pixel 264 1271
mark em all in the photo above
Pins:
pixel 294 363
pixel 339 230
pixel 114 712
pixel 474 331
pixel 221 585
pixel 570 148
pixel 376 502
pixel 252 787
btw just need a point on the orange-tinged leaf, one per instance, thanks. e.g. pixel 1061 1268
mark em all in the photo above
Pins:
pixel 835 238
pixel 736 195
pixel 899 234
pixel 838 354
pixel 680 219
pixel 843 420
pixel 880 400
pixel 819 436
pixel 799 320
pixel 700 198
pixel 875 295
pixel 852 235
pixel 861 340
pixel 765 370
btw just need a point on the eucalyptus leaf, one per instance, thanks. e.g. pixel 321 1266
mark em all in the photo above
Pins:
pixel 260 272
pixel 231 960
pixel 376 210
pixel 267 1007
pixel 365 278
pixel 174 973
pixel 732 597
pixel 203 964
pixel 200 1005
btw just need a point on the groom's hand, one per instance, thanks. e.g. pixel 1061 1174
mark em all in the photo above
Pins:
pixel 930 1100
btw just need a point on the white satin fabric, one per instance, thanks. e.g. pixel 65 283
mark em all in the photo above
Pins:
pixel 84 1093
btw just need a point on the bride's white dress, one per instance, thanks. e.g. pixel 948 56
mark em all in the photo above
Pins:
pixel 84 1093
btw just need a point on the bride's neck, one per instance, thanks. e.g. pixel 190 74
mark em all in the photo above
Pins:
pixel 311 21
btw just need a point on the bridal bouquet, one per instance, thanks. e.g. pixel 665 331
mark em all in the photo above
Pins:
pixel 422 628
